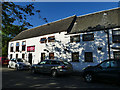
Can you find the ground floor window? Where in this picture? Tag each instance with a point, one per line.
(88, 56)
(16, 55)
(23, 56)
(42, 56)
(51, 55)
(11, 56)
(116, 54)
(75, 57)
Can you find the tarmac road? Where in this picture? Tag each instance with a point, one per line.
(25, 79)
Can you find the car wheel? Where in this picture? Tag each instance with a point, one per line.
(17, 69)
(54, 73)
(88, 77)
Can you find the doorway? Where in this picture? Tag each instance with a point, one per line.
(30, 58)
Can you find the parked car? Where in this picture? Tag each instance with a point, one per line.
(53, 67)
(18, 64)
(108, 69)
(4, 60)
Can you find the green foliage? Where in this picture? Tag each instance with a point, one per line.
(10, 14)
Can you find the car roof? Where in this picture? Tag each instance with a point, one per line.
(112, 60)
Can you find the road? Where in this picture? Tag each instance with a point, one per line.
(25, 79)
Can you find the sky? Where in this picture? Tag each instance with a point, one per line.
(54, 11)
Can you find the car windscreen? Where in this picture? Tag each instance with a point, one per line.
(19, 60)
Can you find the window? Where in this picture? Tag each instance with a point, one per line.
(88, 57)
(113, 64)
(43, 40)
(23, 46)
(88, 37)
(23, 56)
(116, 54)
(51, 39)
(16, 55)
(55, 63)
(105, 64)
(51, 55)
(43, 62)
(75, 38)
(11, 47)
(17, 47)
(116, 36)
(42, 56)
(75, 57)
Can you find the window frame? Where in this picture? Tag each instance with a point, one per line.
(83, 37)
(53, 40)
(72, 38)
(17, 47)
(11, 47)
(91, 60)
(23, 46)
(73, 60)
(115, 35)
(44, 40)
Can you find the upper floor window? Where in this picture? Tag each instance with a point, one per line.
(75, 57)
(75, 38)
(17, 46)
(23, 46)
(116, 36)
(88, 37)
(11, 47)
(43, 40)
(51, 39)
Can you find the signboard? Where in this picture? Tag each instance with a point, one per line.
(30, 48)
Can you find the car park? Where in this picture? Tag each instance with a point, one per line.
(19, 64)
(4, 60)
(106, 70)
(53, 67)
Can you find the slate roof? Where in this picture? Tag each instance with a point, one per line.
(54, 27)
(97, 21)
(90, 22)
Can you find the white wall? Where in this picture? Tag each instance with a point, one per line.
(62, 41)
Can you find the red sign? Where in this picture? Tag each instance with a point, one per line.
(30, 48)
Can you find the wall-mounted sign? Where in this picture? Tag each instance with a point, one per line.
(30, 48)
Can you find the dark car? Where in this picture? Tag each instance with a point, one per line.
(53, 67)
(108, 69)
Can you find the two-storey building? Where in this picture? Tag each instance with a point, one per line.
(82, 40)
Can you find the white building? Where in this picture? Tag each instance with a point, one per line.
(83, 40)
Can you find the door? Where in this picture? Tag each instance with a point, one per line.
(42, 56)
(30, 58)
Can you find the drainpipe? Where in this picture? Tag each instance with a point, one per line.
(108, 40)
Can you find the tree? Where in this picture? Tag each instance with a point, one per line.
(11, 13)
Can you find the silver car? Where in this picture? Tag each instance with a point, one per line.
(18, 64)
(54, 67)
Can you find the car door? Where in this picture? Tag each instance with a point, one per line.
(40, 67)
(113, 70)
(47, 66)
(102, 70)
